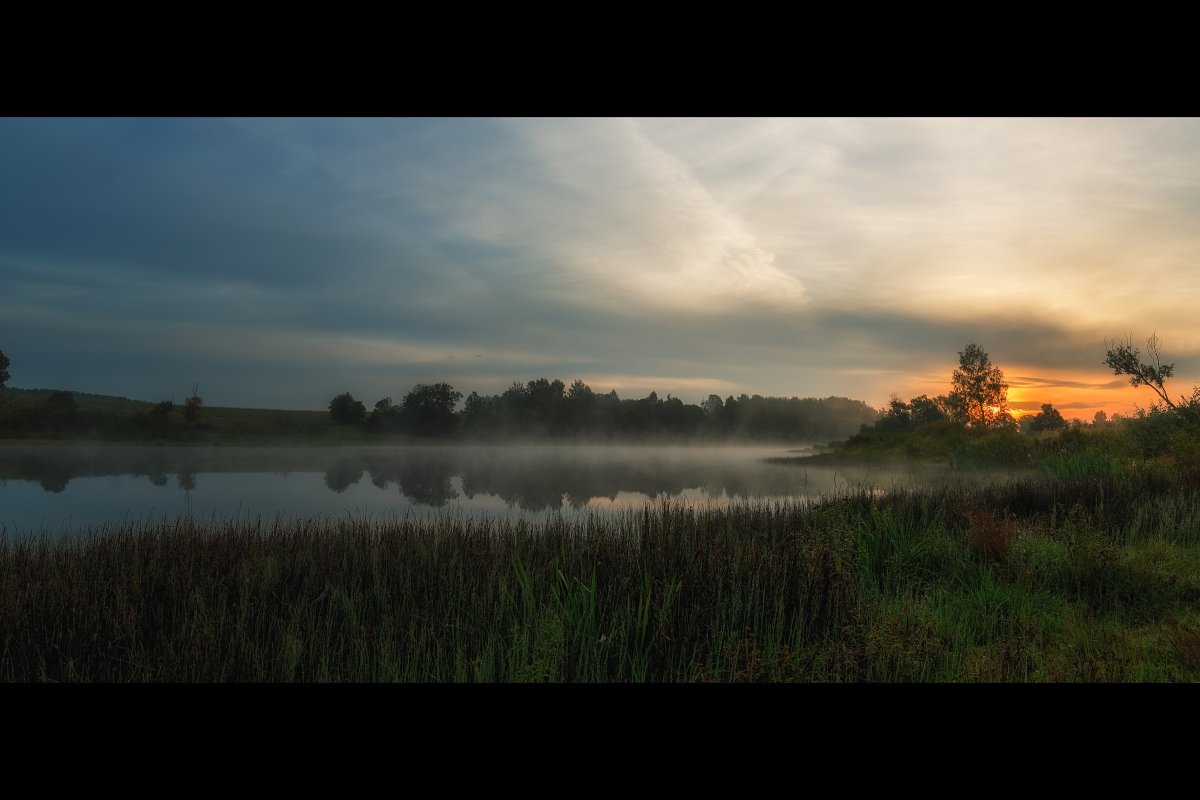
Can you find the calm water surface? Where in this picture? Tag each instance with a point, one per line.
(64, 489)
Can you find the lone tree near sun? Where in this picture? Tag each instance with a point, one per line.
(1125, 359)
(980, 395)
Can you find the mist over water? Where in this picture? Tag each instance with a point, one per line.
(64, 489)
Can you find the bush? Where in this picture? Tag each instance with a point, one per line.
(345, 410)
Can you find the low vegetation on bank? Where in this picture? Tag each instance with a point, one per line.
(971, 427)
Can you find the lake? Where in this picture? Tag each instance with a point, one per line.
(65, 488)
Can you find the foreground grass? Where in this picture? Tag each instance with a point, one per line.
(1091, 579)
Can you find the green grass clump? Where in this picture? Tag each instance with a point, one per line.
(1094, 578)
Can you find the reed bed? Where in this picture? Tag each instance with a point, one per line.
(1085, 579)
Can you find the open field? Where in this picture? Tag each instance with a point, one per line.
(103, 417)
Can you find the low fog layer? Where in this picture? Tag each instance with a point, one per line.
(528, 477)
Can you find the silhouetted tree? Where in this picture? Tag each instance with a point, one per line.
(1050, 419)
(545, 404)
(713, 407)
(980, 395)
(191, 406)
(429, 409)
(896, 417)
(345, 410)
(1003, 419)
(1125, 359)
(4, 376)
(729, 414)
(581, 406)
(511, 406)
(480, 414)
(925, 410)
(920, 410)
(580, 390)
(386, 416)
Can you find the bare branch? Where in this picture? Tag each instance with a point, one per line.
(1125, 359)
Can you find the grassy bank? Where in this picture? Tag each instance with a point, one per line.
(1035, 579)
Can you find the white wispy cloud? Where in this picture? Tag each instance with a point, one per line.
(620, 218)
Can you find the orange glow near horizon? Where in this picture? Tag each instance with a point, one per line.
(1076, 394)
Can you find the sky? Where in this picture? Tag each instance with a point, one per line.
(278, 262)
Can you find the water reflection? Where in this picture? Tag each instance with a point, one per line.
(186, 479)
(269, 480)
(425, 477)
(342, 475)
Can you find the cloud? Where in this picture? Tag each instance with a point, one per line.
(619, 217)
(783, 256)
(1024, 382)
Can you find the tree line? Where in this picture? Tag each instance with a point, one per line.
(978, 397)
(549, 408)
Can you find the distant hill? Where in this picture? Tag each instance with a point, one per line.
(23, 414)
(78, 395)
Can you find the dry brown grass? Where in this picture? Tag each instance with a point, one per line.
(990, 538)
(1186, 640)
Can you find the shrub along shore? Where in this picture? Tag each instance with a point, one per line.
(1093, 578)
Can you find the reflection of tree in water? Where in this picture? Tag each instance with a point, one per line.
(51, 474)
(343, 475)
(540, 483)
(54, 479)
(531, 486)
(156, 468)
(532, 478)
(424, 478)
(516, 484)
(186, 479)
(428, 481)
